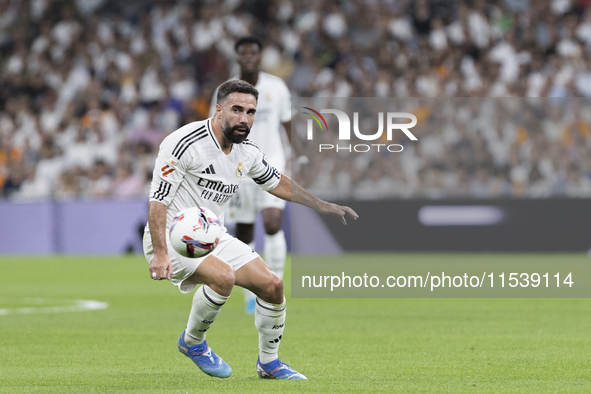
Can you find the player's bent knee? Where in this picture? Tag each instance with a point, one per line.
(278, 288)
(223, 281)
(274, 291)
(228, 278)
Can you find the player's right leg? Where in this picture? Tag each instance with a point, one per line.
(218, 279)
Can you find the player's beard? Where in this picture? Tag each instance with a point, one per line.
(231, 136)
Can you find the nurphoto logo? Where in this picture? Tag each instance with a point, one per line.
(344, 131)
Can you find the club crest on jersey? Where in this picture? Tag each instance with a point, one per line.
(239, 171)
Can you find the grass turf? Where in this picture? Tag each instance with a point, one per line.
(341, 345)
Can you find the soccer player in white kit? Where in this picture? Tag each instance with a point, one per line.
(203, 164)
(273, 112)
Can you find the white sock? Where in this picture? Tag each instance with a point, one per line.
(249, 295)
(275, 252)
(206, 306)
(269, 320)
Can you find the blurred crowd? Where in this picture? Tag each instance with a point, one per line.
(89, 88)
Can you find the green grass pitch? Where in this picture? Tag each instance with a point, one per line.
(341, 345)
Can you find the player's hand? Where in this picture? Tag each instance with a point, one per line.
(161, 267)
(338, 210)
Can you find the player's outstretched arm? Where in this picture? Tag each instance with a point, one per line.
(290, 191)
(161, 266)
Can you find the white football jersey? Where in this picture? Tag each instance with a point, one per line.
(191, 170)
(273, 109)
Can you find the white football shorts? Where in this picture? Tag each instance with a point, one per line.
(231, 250)
(249, 201)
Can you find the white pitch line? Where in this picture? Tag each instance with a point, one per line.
(79, 306)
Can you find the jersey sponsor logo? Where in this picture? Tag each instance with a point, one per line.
(239, 171)
(215, 191)
(166, 170)
(217, 186)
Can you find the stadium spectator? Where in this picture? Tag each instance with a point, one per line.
(96, 77)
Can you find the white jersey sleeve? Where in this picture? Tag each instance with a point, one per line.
(168, 173)
(262, 173)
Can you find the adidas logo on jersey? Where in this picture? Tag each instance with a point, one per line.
(209, 170)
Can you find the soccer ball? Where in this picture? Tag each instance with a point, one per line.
(195, 232)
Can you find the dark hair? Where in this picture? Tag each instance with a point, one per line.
(248, 40)
(236, 86)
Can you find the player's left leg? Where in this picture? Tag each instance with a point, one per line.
(269, 317)
(218, 279)
(270, 304)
